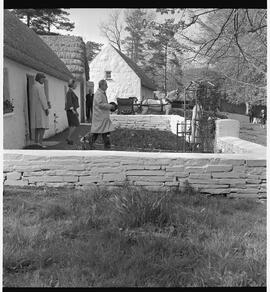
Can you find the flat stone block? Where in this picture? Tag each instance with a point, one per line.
(151, 167)
(228, 175)
(243, 196)
(200, 176)
(177, 174)
(147, 183)
(9, 156)
(114, 177)
(234, 162)
(197, 162)
(106, 170)
(256, 162)
(69, 178)
(149, 178)
(33, 173)
(198, 181)
(175, 169)
(191, 169)
(205, 186)
(14, 175)
(89, 179)
(219, 168)
(133, 166)
(216, 191)
(230, 181)
(16, 182)
(244, 191)
(145, 172)
(253, 181)
(256, 170)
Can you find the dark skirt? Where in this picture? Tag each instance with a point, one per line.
(73, 120)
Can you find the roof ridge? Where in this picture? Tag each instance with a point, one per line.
(146, 81)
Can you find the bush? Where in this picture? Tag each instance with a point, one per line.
(135, 208)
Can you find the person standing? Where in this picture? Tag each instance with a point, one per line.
(101, 123)
(89, 104)
(39, 109)
(251, 113)
(71, 107)
(262, 118)
(195, 123)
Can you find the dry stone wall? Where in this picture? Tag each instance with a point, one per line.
(160, 122)
(234, 175)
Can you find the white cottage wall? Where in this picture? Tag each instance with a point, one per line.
(14, 123)
(124, 82)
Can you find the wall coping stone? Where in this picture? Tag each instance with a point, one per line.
(260, 155)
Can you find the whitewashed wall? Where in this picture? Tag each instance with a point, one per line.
(14, 126)
(124, 82)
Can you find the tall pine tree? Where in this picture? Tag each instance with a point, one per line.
(43, 20)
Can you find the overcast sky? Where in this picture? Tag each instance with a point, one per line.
(87, 21)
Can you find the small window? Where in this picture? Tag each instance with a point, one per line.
(7, 100)
(108, 75)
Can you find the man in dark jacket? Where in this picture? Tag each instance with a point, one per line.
(89, 103)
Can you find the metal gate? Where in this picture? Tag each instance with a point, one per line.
(196, 132)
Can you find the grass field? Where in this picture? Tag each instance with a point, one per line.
(84, 238)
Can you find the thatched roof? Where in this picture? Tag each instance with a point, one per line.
(146, 81)
(71, 50)
(23, 45)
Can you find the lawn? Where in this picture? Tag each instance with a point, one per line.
(250, 132)
(124, 140)
(86, 238)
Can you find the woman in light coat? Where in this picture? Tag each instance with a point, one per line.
(101, 123)
(39, 109)
(195, 122)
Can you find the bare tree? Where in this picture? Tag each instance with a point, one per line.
(113, 28)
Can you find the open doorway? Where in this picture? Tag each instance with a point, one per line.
(28, 131)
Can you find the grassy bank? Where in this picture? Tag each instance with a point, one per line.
(84, 238)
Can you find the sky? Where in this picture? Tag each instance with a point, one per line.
(87, 21)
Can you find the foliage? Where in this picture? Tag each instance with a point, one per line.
(112, 29)
(233, 42)
(165, 51)
(8, 106)
(215, 241)
(92, 49)
(136, 208)
(134, 42)
(42, 20)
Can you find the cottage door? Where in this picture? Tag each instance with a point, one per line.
(29, 135)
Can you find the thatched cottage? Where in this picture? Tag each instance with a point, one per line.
(71, 50)
(25, 54)
(125, 79)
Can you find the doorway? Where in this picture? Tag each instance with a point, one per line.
(29, 135)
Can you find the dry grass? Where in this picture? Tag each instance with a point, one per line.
(76, 238)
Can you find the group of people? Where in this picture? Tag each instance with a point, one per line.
(253, 118)
(97, 112)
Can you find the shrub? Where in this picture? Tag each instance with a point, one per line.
(135, 208)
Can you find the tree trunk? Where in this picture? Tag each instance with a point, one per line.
(28, 20)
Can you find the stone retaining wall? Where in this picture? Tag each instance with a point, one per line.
(228, 141)
(160, 122)
(234, 175)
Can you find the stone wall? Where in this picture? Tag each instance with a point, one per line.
(234, 175)
(228, 141)
(160, 122)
